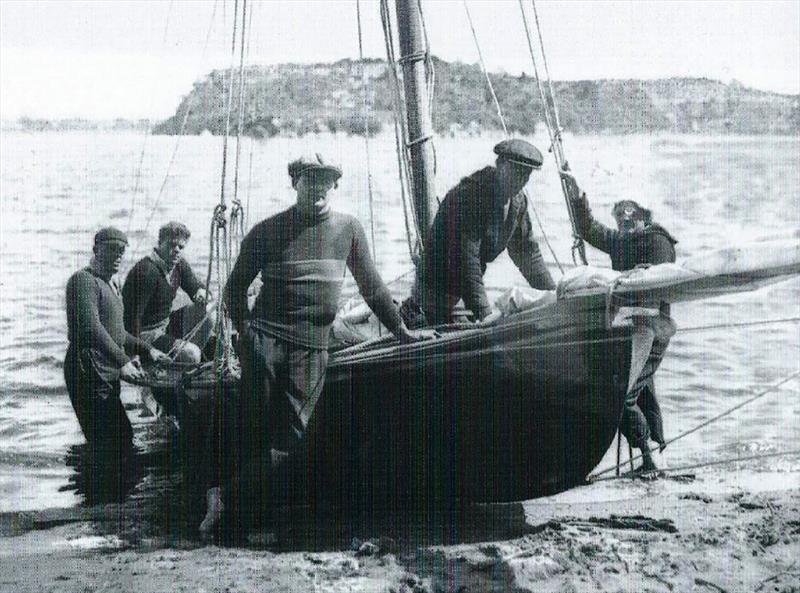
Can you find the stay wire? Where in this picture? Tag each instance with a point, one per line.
(366, 131)
(229, 105)
(240, 121)
(559, 145)
(505, 131)
(555, 147)
(739, 324)
(403, 169)
(148, 132)
(184, 121)
(237, 215)
(246, 221)
(485, 71)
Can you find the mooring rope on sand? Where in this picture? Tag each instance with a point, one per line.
(699, 465)
(770, 389)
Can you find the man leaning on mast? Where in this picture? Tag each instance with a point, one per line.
(485, 214)
(637, 241)
(150, 289)
(96, 356)
(301, 253)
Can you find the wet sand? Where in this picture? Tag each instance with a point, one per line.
(730, 529)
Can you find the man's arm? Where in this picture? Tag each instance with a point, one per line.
(598, 235)
(244, 271)
(82, 296)
(189, 282)
(524, 252)
(472, 289)
(369, 282)
(136, 293)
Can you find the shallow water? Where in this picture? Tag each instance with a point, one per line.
(58, 188)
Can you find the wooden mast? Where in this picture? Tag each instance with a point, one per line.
(418, 117)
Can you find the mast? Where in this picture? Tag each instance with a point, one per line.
(413, 52)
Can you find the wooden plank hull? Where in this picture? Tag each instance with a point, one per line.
(521, 410)
(509, 412)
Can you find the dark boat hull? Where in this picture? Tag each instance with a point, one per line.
(514, 411)
(524, 409)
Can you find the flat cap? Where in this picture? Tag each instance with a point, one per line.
(108, 234)
(313, 163)
(519, 152)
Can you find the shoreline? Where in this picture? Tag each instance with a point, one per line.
(717, 531)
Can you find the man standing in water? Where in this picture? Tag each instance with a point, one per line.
(301, 253)
(96, 356)
(637, 241)
(477, 220)
(150, 289)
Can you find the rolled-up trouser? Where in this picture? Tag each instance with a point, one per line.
(97, 405)
(641, 417)
(281, 384)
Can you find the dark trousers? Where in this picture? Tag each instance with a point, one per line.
(97, 405)
(281, 384)
(641, 417)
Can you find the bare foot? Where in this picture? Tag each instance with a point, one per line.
(214, 508)
(648, 465)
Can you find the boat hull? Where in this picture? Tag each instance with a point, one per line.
(524, 409)
(521, 409)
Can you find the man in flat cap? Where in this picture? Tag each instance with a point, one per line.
(150, 289)
(637, 241)
(480, 217)
(302, 254)
(97, 355)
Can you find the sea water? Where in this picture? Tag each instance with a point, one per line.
(58, 188)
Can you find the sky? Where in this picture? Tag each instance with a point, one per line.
(136, 59)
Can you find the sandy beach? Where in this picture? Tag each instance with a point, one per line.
(730, 529)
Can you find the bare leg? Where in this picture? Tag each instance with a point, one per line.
(214, 510)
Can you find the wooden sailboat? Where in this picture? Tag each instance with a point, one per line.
(523, 408)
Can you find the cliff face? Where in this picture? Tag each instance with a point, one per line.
(297, 99)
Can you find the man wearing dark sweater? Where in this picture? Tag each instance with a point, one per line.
(302, 254)
(151, 287)
(485, 214)
(97, 355)
(636, 241)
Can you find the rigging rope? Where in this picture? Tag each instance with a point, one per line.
(219, 236)
(148, 131)
(702, 425)
(505, 132)
(237, 214)
(554, 133)
(189, 105)
(246, 223)
(366, 131)
(430, 71)
(485, 71)
(681, 468)
(559, 146)
(400, 133)
(741, 324)
(229, 106)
